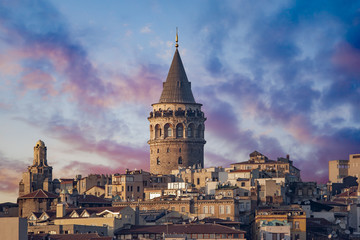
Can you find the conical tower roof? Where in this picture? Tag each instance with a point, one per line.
(177, 88)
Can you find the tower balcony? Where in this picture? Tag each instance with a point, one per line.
(176, 113)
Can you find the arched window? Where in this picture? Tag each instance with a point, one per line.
(190, 130)
(157, 131)
(158, 161)
(179, 131)
(168, 130)
(180, 160)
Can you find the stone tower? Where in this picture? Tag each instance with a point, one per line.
(176, 124)
(39, 175)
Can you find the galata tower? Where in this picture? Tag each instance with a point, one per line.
(176, 124)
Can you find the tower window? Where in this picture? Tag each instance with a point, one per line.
(179, 131)
(168, 150)
(180, 160)
(168, 130)
(157, 131)
(179, 150)
(190, 130)
(158, 161)
(158, 150)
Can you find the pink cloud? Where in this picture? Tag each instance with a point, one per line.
(39, 80)
(118, 154)
(347, 58)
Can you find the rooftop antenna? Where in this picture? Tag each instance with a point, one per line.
(177, 38)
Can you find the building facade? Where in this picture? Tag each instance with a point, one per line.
(338, 169)
(39, 174)
(176, 124)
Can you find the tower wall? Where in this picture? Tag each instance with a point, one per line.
(176, 137)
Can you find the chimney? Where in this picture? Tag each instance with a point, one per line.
(288, 157)
(60, 210)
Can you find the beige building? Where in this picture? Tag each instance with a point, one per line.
(354, 165)
(102, 220)
(338, 169)
(224, 208)
(199, 177)
(279, 168)
(37, 201)
(291, 215)
(85, 183)
(39, 174)
(98, 191)
(176, 124)
(13, 228)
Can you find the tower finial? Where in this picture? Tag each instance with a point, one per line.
(177, 39)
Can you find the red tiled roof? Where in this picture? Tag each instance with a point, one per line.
(91, 199)
(351, 192)
(39, 194)
(241, 170)
(181, 229)
(257, 163)
(85, 236)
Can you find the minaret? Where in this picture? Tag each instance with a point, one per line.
(176, 124)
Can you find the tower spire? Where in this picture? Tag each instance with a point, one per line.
(177, 39)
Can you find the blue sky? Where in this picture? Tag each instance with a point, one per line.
(279, 77)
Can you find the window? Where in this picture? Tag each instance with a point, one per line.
(241, 206)
(190, 130)
(182, 209)
(138, 188)
(221, 209)
(297, 225)
(158, 161)
(243, 184)
(168, 150)
(157, 131)
(179, 131)
(179, 150)
(198, 181)
(212, 209)
(180, 160)
(300, 192)
(205, 210)
(228, 210)
(168, 130)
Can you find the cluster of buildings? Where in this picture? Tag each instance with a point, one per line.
(179, 198)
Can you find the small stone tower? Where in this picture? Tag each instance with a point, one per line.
(176, 124)
(39, 175)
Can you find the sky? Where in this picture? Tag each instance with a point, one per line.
(279, 77)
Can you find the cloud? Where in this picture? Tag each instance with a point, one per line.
(9, 173)
(40, 53)
(146, 29)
